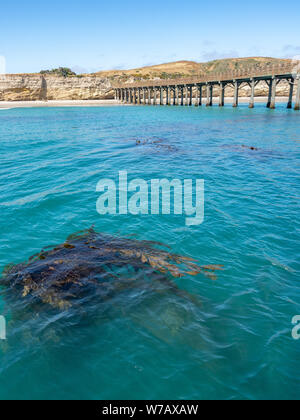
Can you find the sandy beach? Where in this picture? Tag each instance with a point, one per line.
(69, 103)
(109, 102)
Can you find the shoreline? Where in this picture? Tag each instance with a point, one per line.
(112, 102)
(59, 103)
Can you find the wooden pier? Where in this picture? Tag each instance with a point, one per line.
(189, 91)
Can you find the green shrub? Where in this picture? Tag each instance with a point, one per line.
(61, 71)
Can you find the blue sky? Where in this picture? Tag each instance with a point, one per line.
(95, 35)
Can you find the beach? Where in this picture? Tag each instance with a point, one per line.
(109, 102)
(45, 104)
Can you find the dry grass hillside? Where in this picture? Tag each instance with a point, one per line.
(187, 68)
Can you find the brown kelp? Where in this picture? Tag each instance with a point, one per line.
(159, 145)
(90, 263)
(64, 292)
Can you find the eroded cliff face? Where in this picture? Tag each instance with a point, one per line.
(33, 87)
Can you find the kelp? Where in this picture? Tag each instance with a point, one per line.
(158, 144)
(98, 265)
(250, 148)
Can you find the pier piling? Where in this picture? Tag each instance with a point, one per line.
(297, 104)
(236, 94)
(134, 96)
(209, 93)
(154, 96)
(222, 94)
(252, 85)
(181, 96)
(273, 93)
(200, 95)
(186, 96)
(168, 96)
(174, 95)
(269, 83)
(191, 96)
(197, 96)
(290, 101)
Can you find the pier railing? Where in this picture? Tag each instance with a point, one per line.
(244, 73)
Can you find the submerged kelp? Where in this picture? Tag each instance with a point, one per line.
(157, 144)
(90, 264)
(257, 152)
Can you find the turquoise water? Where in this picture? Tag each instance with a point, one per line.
(238, 343)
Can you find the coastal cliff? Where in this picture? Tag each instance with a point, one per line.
(34, 87)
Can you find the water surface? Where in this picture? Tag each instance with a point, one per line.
(238, 344)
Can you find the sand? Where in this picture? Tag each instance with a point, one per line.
(43, 104)
(108, 102)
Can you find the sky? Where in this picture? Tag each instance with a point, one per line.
(94, 35)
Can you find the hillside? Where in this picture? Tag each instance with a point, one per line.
(187, 68)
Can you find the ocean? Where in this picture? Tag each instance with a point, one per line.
(234, 340)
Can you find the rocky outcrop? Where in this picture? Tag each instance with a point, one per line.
(33, 87)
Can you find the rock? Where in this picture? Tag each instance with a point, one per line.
(34, 87)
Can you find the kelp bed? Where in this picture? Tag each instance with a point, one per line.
(94, 264)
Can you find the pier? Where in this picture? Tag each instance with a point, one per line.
(189, 91)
